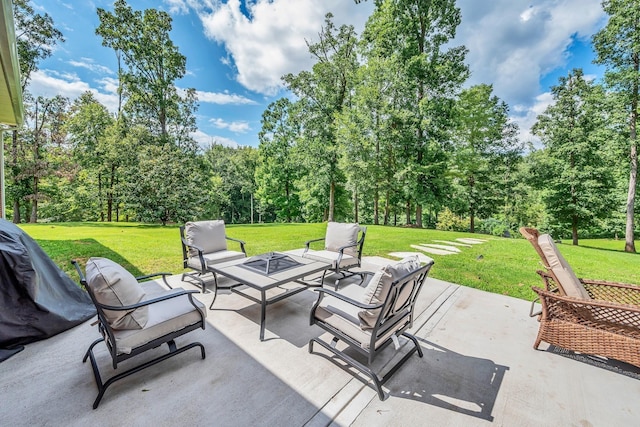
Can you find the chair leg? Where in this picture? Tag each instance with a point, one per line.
(215, 289)
(377, 382)
(102, 386)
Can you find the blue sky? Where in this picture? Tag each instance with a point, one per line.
(237, 51)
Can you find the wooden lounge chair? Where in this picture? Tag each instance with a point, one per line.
(369, 319)
(343, 244)
(134, 317)
(588, 316)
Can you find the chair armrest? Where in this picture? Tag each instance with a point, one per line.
(242, 243)
(620, 293)
(308, 242)
(594, 313)
(148, 302)
(203, 264)
(346, 299)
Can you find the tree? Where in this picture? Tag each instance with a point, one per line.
(88, 125)
(324, 92)
(617, 46)
(483, 139)
(279, 169)
(36, 37)
(152, 65)
(46, 117)
(419, 33)
(576, 178)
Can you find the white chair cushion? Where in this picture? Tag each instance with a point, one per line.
(341, 234)
(380, 284)
(164, 317)
(344, 317)
(207, 235)
(568, 281)
(331, 258)
(113, 285)
(215, 258)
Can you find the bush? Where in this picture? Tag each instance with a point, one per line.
(448, 221)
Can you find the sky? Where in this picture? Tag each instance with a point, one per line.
(237, 52)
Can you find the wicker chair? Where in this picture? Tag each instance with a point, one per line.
(588, 316)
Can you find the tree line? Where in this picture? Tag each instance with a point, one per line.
(381, 130)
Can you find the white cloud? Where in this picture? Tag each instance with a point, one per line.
(235, 126)
(89, 64)
(513, 44)
(223, 98)
(49, 84)
(204, 140)
(269, 41)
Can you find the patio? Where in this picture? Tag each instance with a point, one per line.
(479, 368)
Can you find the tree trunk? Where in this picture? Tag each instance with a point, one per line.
(355, 204)
(34, 203)
(386, 209)
(16, 212)
(472, 221)
(419, 215)
(376, 205)
(630, 245)
(408, 212)
(100, 197)
(332, 200)
(631, 199)
(574, 230)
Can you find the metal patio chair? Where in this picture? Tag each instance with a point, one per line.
(343, 244)
(369, 319)
(134, 317)
(205, 243)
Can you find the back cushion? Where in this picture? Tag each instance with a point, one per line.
(379, 286)
(207, 235)
(568, 281)
(342, 234)
(113, 285)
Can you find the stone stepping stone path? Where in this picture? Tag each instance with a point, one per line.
(443, 247)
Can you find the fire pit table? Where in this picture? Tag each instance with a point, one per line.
(268, 271)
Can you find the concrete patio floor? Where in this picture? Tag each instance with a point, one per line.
(478, 369)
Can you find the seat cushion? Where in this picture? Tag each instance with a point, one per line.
(342, 234)
(214, 258)
(332, 258)
(207, 235)
(344, 317)
(164, 317)
(380, 284)
(568, 282)
(112, 285)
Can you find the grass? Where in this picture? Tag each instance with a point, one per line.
(505, 266)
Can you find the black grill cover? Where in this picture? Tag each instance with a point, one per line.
(37, 299)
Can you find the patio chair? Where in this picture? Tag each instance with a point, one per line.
(134, 317)
(595, 317)
(369, 319)
(205, 243)
(343, 244)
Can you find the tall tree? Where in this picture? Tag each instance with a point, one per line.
(419, 33)
(617, 46)
(36, 36)
(324, 92)
(152, 64)
(279, 169)
(46, 120)
(483, 139)
(575, 175)
(88, 124)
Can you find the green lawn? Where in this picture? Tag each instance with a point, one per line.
(500, 265)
